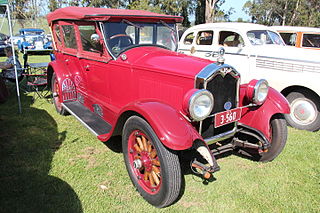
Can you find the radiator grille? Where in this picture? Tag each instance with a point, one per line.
(224, 88)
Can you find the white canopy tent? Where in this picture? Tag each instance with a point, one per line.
(5, 9)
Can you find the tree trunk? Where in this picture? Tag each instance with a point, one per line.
(284, 17)
(209, 11)
(295, 12)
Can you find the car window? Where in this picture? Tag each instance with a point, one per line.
(69, 36)
(146, 35)
(163, 38)
(262, 37)
(57, 32)
(86, 31)
(311, 40)
(126, 35)
(289, 38)
(204, 37)
(188, 39)
(230, 39)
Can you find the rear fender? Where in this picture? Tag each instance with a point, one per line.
(260, 117)
(66, 86)
(173, 130)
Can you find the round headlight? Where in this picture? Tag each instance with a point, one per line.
(260, 92)
(200, 104)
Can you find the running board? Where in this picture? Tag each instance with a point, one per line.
(89, 119)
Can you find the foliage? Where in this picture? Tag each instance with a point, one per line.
(284, 12)
(208, 11)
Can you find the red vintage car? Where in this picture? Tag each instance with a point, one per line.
(118, 72)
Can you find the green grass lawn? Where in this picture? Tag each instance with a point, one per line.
(51, 163)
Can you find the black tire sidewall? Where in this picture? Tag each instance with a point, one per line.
(314, 126)
(279, 138)
(61, 110)
(161, 198)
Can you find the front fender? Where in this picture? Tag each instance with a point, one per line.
(260, 117)
(173, 130)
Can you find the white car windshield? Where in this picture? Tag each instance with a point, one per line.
(124, 35)
(262, 37)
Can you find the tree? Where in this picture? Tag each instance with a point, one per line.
(284, 12)
(208, 11)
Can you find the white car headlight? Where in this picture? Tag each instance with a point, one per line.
(260, 92)
(200, 104)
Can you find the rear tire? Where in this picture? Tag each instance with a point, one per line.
(305, 110)
(154, 169)
(56, 96)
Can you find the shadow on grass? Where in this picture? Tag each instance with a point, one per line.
(28, 142)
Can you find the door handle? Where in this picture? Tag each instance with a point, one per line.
(87, 68)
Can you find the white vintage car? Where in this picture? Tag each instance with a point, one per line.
(257, 51)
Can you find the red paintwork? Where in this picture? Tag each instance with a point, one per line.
(259, 117)
(151, 81)
(103, 14)
(173, 130)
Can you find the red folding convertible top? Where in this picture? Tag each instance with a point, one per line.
(103, 14)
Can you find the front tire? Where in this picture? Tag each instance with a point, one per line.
(154, 169)
(305, 110)
(56, 96)
(279, 132)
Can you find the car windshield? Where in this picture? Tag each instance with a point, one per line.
(125, 34)
(261, 37)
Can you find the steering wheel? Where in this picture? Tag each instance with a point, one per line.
(119, 42)
(121, 35)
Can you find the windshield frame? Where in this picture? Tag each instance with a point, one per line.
(137, 26)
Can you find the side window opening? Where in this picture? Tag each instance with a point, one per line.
(57, 33)
(204, 37)
(230, 39)
(86, 31)
(311, 40)
(289, 38)
(69, 36)
(188, 39)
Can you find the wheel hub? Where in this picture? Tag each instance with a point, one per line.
(146, 161)
(303, 111)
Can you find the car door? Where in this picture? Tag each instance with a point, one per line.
(67, 55)
(94, 60)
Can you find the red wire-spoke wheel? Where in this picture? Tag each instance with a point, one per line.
(154, 169)
(56, 95)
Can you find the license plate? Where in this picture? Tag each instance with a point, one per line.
(226, 117)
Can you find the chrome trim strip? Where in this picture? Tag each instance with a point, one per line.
(287, 59)
(210, 71)
(84, 124)
(221, 136)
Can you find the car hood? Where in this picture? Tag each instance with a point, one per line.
(158, 59)
(288, 52)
